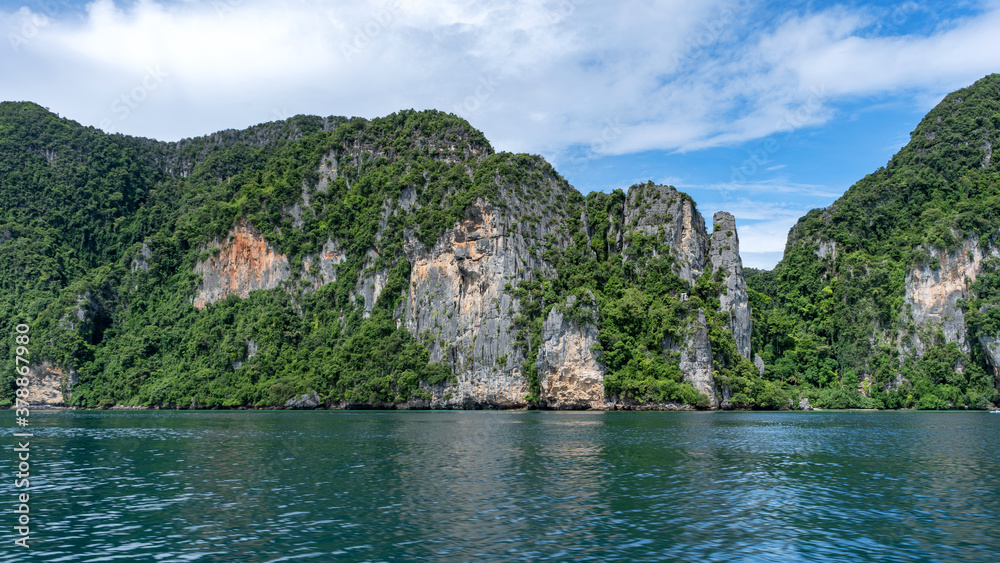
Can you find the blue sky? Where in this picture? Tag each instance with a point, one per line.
(764, 109)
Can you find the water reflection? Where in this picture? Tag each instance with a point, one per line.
(514, 486)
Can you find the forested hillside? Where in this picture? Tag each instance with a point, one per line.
(400, 262)
(272, 266)
(887, 297)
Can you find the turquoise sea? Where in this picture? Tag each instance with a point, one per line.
(248, 486)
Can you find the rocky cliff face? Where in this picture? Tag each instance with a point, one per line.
(696, 361)
(241, 263)
(932, 293)
(244, 261)
(724, 256)
(649, 209)
(322, 269)
(570, 371)
(50, 385)
(458, 306)
(498, 250)
(652, 210)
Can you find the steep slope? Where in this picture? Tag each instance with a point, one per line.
(876, 301)
(396, 262)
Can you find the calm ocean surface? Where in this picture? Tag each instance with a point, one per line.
(508, 486)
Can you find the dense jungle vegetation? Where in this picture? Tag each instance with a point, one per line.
(836, 328)
(100, 234)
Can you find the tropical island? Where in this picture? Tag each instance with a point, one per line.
(401, 262)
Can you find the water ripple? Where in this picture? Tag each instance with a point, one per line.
(517, 486)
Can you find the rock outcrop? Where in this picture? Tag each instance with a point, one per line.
(649, 209)
(724, 257)
(308, 400)
(570, 373)
(322, 269)
(141, 260)
(933, 290)
(50, 385)
(696, 361)
(459, 302)
(458, 306)
(244, 261)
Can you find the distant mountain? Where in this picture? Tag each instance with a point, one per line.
(888, 297)
(334, 262)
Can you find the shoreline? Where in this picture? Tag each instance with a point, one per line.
(385, 408)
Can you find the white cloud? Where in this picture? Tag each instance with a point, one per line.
(760, 260)
(762, 226)
(773, 186)
(548, 77)
(570, 79)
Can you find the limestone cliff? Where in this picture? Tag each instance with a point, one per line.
(724, 257)
(322, 269)
(883, 285)
(932, 293)
(572, 376)
(50, 385)
(459, 302)
(656, 210)
(650, 209)
(458, 305)
(696, 360)
(242, 262)
(404, 263)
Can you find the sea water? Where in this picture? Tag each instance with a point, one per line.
(246, 486)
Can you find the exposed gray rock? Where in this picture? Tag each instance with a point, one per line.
(826, 249)
(327, 170)
(370, 284)
(458, 307)
(141, 260)
(804, 404)
(457, 303)
(243, 262)
(407, 198)
(309, 400)
(696, 360)
(648, 209)
(325, 270)
(570, 373)
(759, 363)
(932, 296)
(724, 255)
(662, 211)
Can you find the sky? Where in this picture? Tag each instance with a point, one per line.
(763, 109)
